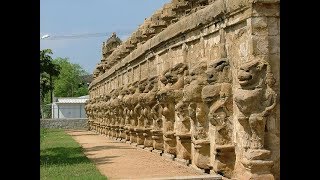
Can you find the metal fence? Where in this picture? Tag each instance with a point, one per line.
(60, 112)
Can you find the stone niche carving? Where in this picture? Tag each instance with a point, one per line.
(255, 99)
(168, 96)
(218, 97)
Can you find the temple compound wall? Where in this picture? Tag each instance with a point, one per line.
(74, 123)
(198, 82)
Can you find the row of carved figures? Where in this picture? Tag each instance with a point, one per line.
(188, 114)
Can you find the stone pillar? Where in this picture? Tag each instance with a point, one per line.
(157, 129)
(106, 114)
(169, 96)
(183, 134)
(218, 98)
(200, 148)
(131, 101)
(148, 142)
(255, 99)
(133, 113)
(127, 124)
(168, 130)
(109, 119)
(140, 112)
(126, 113)
(149, 102)
(255, 92)
(122, 134)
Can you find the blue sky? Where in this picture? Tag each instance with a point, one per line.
(79, 17)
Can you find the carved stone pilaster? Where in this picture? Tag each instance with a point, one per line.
(168, 96)
(194, 82)
(254, 99)
(218, 98)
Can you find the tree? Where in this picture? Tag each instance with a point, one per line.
(69, 83)
(48, 70)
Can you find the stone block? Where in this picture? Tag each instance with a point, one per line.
(182, 161)
(158, 152)
(168, 156)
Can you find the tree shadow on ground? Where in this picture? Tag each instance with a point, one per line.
(86, 134)
(99, 148)
(103, 160)
(114, 141)
(68, 155)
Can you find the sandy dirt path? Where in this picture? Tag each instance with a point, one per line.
(118, 160)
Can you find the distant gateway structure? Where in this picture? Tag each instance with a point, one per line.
(198, 82)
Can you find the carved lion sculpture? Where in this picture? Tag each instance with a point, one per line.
(195, 79)
(172, 77)
(254, 99)
(218, 97)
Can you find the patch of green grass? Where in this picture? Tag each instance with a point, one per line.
(42, 134)
(62, 158)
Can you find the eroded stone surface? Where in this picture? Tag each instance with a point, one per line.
(199, 82)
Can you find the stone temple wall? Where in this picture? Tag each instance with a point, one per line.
(197, 82)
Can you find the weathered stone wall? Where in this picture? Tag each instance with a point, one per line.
(64, 123)
(198, 81)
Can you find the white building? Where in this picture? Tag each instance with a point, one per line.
(69, 107)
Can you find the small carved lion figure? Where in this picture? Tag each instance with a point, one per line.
(156, 114)
(172, 78)
(183, 121)
(255, 99)
(139, 109)
(168, 96)
(218, 97)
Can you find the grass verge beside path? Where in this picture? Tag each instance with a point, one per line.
(61, 157)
